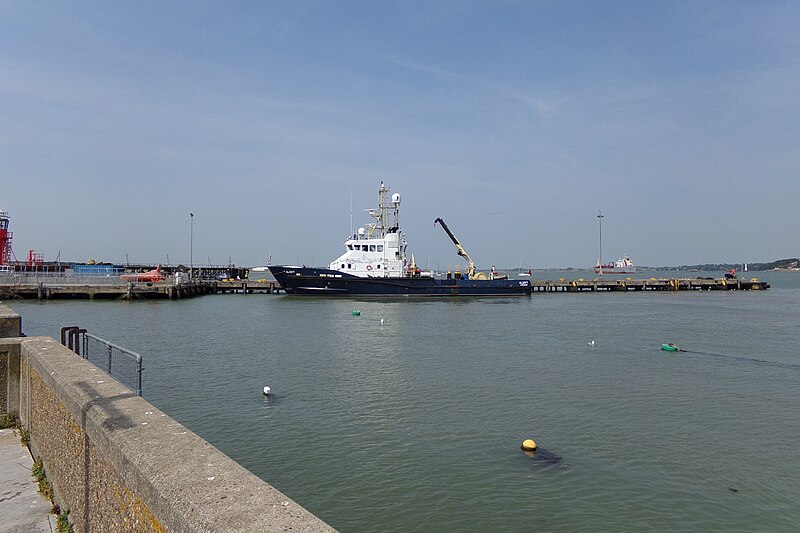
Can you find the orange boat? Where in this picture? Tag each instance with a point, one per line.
(149, 276)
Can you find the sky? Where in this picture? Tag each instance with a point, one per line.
(515, 122)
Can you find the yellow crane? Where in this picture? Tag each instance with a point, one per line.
(462, 252)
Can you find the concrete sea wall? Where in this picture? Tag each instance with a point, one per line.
(119, 464)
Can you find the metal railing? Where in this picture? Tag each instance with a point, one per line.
(120, 363)
(59, 278)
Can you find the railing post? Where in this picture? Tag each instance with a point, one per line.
(64, 331)
(139, 375)
(109, 361)
(75, 341)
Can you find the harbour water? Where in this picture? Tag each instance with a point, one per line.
(410, 416)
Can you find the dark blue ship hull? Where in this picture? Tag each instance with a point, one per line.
(324, 282)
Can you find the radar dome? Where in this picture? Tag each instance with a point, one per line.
(362, 232)
(396, 198)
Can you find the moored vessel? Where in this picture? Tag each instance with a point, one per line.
(375, 263)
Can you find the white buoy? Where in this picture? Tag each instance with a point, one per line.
(267, 391)
(591, 343)
(381, 321)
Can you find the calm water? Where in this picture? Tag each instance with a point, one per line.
(415, 425)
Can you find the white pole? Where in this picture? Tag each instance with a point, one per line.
(600, 258)
(191, 245)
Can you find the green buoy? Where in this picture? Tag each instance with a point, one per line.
(671, 348)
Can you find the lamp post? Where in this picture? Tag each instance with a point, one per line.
(600, 256)
(191, 246)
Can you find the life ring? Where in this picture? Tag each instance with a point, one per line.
(369, 267)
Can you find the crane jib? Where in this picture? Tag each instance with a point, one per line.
(461, 251)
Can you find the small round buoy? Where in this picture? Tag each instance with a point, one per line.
(529, 445)
(267, 391)
(356, 312)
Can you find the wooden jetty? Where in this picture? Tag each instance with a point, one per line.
(652, 284)
(66, 289)
(110, 291)
(247, 287)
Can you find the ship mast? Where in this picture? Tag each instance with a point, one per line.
(377, 230)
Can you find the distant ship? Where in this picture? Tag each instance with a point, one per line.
(375, 264)
(620, 266)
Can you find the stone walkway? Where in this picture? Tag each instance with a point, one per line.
(22, 508)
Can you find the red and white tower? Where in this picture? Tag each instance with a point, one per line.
(5, 239)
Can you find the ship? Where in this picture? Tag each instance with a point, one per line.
(620, 266)
(375, 263)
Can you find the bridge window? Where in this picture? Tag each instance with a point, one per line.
(371, 247)
(380, 247)
(349, 246)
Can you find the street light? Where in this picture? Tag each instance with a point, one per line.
(191, 245)
(600, 257)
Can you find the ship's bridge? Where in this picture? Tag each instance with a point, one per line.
(367, 257)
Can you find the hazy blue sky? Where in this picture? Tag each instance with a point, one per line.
(513, 121)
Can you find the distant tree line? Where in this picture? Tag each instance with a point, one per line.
(793, 262)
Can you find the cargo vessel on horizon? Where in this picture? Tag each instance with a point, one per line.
(620, 266)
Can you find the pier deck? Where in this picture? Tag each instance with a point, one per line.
(245, 286)
(652, 284)
(168, 290)
(67, 289)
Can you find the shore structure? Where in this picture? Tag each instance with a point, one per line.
(652, 284)
(116, 462)
(165, 290)
(58, 288)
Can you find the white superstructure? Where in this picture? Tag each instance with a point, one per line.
(379, 250)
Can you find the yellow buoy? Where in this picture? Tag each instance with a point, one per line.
(529, 445)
